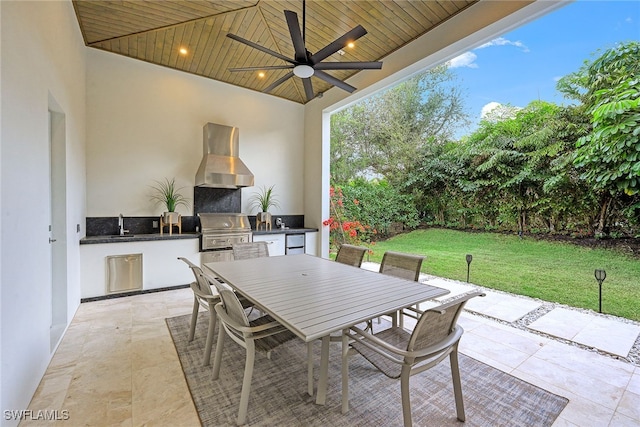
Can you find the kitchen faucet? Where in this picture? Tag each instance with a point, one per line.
(121, 225)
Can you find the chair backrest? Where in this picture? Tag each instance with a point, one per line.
(235, 314)
(202, 284)
(437, 323)
(250, 250)
(351, 255)
(405, 266)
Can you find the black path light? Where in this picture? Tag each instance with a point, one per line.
(600, 276)
(469, 259)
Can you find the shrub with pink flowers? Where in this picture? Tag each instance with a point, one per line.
(342, 228)
(362, 211)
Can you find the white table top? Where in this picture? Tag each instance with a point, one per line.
(314, 297)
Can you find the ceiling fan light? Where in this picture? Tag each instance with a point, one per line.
(303, 71)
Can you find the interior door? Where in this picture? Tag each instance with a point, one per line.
(57, 223)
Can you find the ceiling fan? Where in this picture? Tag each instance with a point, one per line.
(305, 64)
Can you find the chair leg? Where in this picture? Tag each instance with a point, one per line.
(246, 383)
(194, 318)
(210, 332)
(406, 398)
(218, 358)
(457, 385)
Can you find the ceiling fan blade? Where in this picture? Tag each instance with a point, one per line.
(296, 36)
(278, 82)
(260, 48)
(308, 88)
(338, 44)
(332, 80)
(271, 67)
(348, 66)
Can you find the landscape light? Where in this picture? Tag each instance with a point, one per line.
(600, 276)
(469, 259)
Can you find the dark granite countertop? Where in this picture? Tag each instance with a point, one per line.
(175, 236)
(137, 238)
(285, 231)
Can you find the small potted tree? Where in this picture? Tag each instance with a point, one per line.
(166, 193)
(263, 200)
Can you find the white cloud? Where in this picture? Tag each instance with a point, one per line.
(468, 59)
(495, 112)
(488, 108)
(501, 41)
(465, 60)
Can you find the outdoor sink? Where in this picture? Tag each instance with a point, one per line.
(117, 236)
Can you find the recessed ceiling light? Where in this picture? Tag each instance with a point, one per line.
(183, 51)
(261, 74)
(351, 45)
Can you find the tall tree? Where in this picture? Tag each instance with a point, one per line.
(380, 136)
(609, 156)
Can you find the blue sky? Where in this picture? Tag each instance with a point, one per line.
(525, 64)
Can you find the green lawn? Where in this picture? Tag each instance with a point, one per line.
(557, 272)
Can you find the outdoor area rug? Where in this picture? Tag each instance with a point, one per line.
(279, 389)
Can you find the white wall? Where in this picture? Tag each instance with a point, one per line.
(46, 59)
(144, 123)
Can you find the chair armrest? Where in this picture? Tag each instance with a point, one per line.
(201, 295)
(259, 331)
(377, 341)
(439, 347)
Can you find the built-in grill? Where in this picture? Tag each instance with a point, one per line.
(219, 232)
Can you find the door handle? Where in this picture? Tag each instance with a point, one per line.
(51, 240)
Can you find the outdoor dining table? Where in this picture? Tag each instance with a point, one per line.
(315, 297)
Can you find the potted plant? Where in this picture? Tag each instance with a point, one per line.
(263, 200)
(166, 193)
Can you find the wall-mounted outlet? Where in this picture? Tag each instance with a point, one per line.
(155, 224)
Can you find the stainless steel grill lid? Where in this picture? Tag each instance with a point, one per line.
(221, 167)
(224, 223)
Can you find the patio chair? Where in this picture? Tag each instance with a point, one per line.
(405, 266)
(263, 333)
(250, 250)
(400, 354)
(204, 297)
(351, 255)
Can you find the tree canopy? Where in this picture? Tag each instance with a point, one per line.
(379, 136)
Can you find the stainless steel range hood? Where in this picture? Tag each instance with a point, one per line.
(221, 167)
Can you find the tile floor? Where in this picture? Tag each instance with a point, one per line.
(116, 364)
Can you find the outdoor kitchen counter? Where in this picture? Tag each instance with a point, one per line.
(137, 238)
(285, 231)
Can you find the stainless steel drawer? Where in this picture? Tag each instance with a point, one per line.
(124, 273)
(295, 244)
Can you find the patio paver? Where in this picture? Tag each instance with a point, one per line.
(605, 334)
(502, 306)
(455, 288)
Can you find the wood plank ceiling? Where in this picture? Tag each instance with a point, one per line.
(155, 31)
